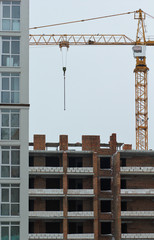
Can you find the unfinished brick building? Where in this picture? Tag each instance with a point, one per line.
(97, 192)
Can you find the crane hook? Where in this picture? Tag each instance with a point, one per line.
(64, 71)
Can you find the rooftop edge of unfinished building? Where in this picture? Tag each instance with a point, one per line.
(89, 143)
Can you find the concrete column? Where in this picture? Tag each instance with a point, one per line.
(95, 200)
(116, 196)
(65, 186)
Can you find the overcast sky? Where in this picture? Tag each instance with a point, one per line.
(100, 83)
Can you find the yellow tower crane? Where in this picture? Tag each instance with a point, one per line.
(139, 49)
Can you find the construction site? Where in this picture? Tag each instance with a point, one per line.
(96, 188)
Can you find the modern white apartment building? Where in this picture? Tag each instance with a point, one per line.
(14, 108)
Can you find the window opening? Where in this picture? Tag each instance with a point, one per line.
(105, 205)
(105, 184)
(52, 162)
(123, 183)
(123, 162)
(124, 228)
(123, 206)
(105, 163)
(75, 162)
(105, 227)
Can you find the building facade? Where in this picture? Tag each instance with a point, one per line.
(14, 107)
(98, 192)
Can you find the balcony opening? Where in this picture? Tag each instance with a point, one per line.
(123, 162)
(105, 184)
(31, 161)
(75, 228)
(75, 183)
(123, 206)
(75, 162)
(52, 162)
(105, 205)
(123, 183)
(105, 163)
(52, 205)
(53, 183)
(31, 205)
(105, 227)
(31, 227)
(75, 205)
(124, 228)
(52, 227)
(31, 183)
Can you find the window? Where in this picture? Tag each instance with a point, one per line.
(9, 200)
(11, 15)
(10, 51)
(9, 124)
(10, 87)
(10, 162)
(9, 231)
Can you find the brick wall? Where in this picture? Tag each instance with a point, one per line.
(140, 226)
(140, 161)
(63, 142)
(140, 204)
(139, 182)
(39, 142)
(90, 143)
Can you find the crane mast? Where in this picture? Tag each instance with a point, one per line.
(141, 85)
(141, 69)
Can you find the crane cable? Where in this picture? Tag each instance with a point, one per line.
(83, 20)
(149, 15)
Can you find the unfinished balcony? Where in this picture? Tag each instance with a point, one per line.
(45, 170)
(80, 209)
(49, 229)
(43, 236)
(45, 187)
(45, 214)
(137, 170)
(80, 187)
(80, 171)
(137, 192)
(137, 214)
(139, 236)
(81, 236)
(80, 165)
(80, 230)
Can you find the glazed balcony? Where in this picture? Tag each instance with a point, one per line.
(45, 170)
(80, 170)
(43, 236)
(45, 214)
(137, 170)
(137, 214)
